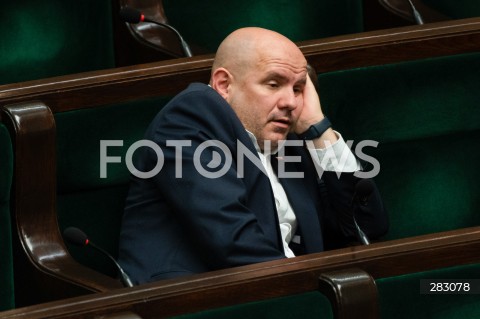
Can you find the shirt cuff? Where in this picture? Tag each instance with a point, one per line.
(337, 157)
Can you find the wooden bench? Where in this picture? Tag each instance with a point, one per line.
(266, 280)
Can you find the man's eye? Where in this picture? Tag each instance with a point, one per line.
(297, 90)
(273, 84)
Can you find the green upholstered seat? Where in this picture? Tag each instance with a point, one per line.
(84, 199)
(7, 299)
(426, 118)
(206, 23)
(49, 38)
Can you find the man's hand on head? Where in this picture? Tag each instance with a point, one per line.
(311, 111)
(311, 114)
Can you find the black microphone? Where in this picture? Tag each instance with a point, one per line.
(77, 237)
(131, 15)
(363, 190)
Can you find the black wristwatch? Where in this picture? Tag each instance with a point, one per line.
(316, 130)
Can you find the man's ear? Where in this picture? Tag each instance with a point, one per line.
(220, 82)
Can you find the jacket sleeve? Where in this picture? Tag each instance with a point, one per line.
(341, 209)
(337, 207)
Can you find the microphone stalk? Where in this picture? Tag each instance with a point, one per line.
(360, 234)
(77, 237)
(416, 15)
(363, 190)
(131, 15)
(124, 278)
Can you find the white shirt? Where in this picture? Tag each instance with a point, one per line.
(329, 159)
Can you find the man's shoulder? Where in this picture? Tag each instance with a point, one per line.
(196, 87)
(199, 90)
(200, 99)
(199, 107)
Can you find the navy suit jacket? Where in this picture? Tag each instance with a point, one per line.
(180, 222)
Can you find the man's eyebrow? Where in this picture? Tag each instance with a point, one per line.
(302, 81)
(274, 75)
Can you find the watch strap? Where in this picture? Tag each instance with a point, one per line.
(316, 130)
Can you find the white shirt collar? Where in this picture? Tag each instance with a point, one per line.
(254, 140)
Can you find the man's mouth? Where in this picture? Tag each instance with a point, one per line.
(283, 122)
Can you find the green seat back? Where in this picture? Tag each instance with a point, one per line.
(50, 38)
(7, 298)
(85, 200)
(426, 118)
(206, 23)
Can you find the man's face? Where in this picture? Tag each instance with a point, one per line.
(268, 96)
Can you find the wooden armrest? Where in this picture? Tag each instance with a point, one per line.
(351, 292)
(33, 128)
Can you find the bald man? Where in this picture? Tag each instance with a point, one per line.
(244, 177)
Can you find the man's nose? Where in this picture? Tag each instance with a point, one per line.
(288, 99)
